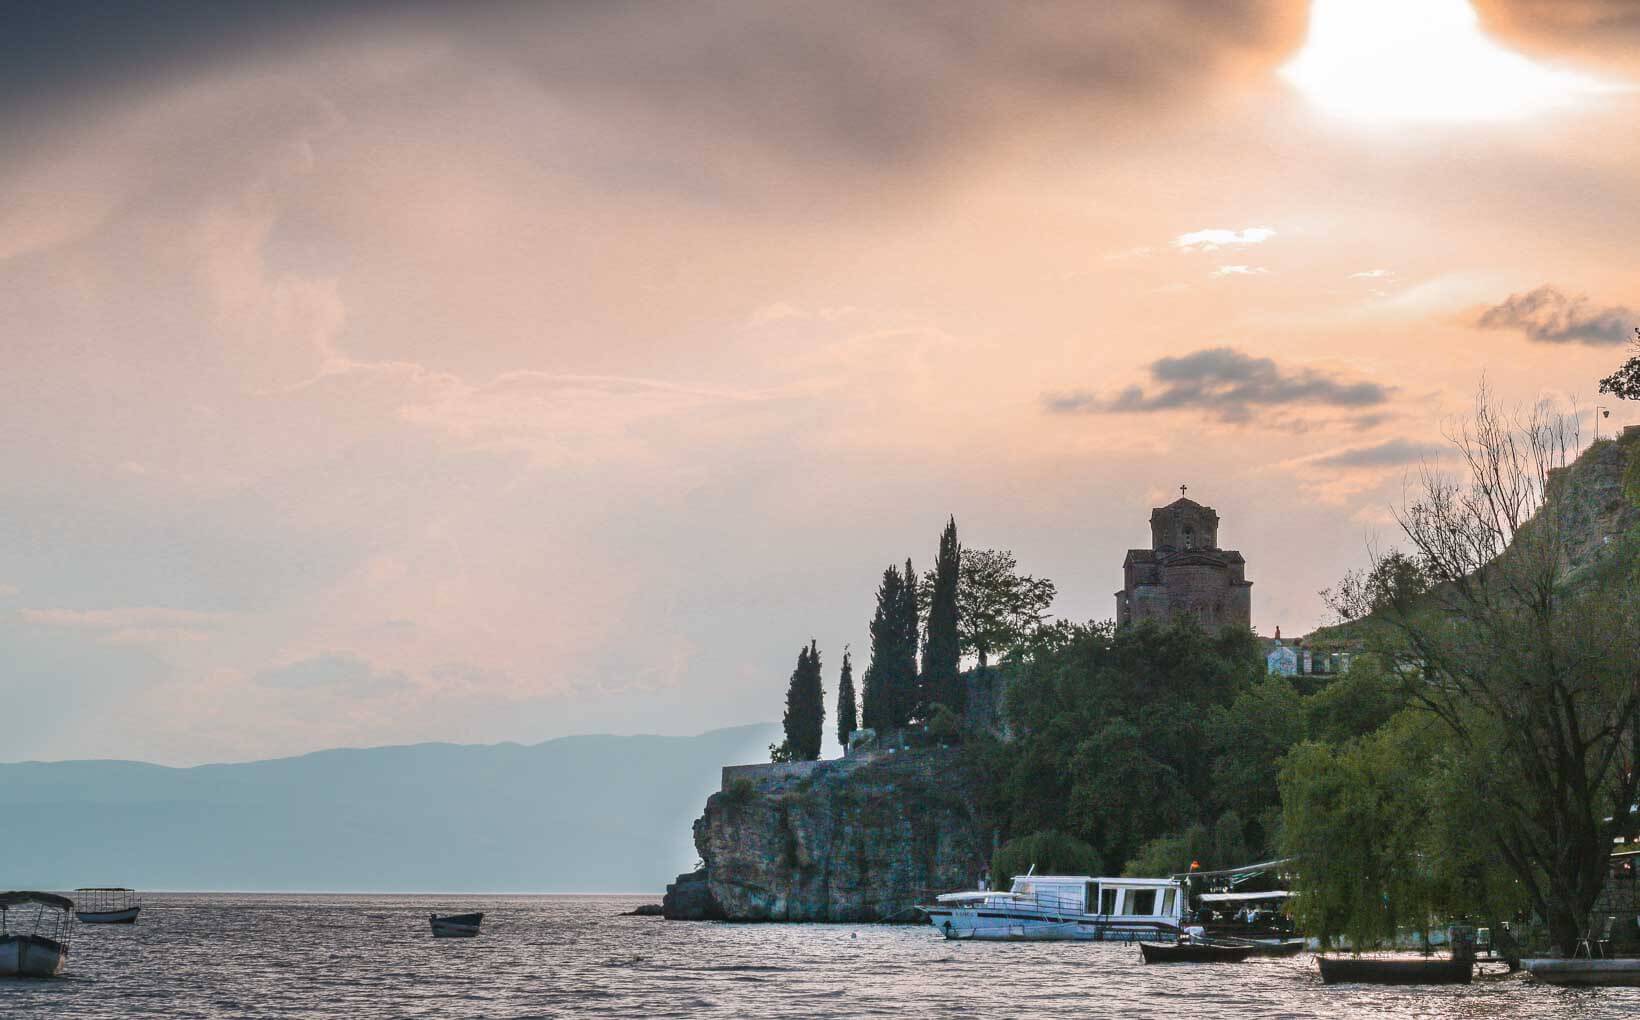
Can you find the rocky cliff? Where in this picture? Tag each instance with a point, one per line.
(843, 841)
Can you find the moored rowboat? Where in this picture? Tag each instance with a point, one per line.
(1194, 952)
(1584, 972)
(456, 925)
(1347, 970)
(107, 905)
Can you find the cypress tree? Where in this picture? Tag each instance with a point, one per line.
(878, 707)
(847, 719)
(905, 679)
(942, 682)
(805, 718)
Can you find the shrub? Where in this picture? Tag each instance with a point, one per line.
(739, 791)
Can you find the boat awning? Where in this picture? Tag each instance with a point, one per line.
(1243, 897)
(17, 899)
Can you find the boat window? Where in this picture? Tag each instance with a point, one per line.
(1168, 899)
(1141, 901)
(1090, 897)
(1023, 888)
(1107, 901)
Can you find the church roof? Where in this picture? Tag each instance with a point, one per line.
(1183, 503)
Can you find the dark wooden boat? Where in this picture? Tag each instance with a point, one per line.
(457, 926)
(1367, 971)
(1194, 952)
(1286, 947)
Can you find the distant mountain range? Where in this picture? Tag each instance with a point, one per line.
(576, 814)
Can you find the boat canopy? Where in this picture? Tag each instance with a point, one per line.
(1246, 870)
(17, 899)
(1243, 897)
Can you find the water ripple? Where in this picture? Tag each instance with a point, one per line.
(320, 957)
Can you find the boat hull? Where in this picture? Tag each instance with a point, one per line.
(1345, 970)
(456, 926)
(1026, 925)
(1192, 952)
(1585, 972)
(31, 956)
(126, 916)
(1287, 947)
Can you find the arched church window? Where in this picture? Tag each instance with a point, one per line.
(1189, 538)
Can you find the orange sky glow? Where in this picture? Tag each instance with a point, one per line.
(399, 376)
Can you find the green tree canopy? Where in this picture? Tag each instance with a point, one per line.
(1049, 853)
(805, 716)
(1625, 382)
(847, 714)
(941, 680)
(997, 606)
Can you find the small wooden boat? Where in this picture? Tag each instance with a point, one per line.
(1194, 952)
(1337, 970)
(456, 926)
(1584, 972)
(98, 905)
(42, 950)
(1284, 947)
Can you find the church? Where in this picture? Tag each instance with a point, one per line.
(1184, 572)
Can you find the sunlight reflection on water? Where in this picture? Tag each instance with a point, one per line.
(209, 955)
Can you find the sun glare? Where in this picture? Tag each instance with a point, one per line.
(1421, 60)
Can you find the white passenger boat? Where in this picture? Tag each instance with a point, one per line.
(1064, 908)
(33, 934)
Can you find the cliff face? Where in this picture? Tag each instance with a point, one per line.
(843, 842)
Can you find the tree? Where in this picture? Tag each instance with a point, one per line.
(941, 680)
(907, 697)
(1533, 671)
(997, 605)
(1625, 382)
(805, 716)
(891, 673)
(847, 718)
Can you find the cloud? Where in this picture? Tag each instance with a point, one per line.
(1240, 271)
(1547, 315)
(1389, 453)
(1214, 238)
(1227, 384)
(725, 91)
(1371, 274)
(132, 625)
(336, 671)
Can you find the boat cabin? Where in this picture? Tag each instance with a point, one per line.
(1111, 897)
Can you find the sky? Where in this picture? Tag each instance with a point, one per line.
(376, 373)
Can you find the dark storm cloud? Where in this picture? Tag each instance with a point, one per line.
(1547, 315)
(1227, 384)
(60, 51)
(1389, 453)
(867, 83)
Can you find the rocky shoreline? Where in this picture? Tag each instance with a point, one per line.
(844, 841)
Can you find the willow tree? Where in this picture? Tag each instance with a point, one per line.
(1520, 633)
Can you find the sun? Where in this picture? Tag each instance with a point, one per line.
(1394, 60)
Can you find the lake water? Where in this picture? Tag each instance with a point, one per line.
(219, 955)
